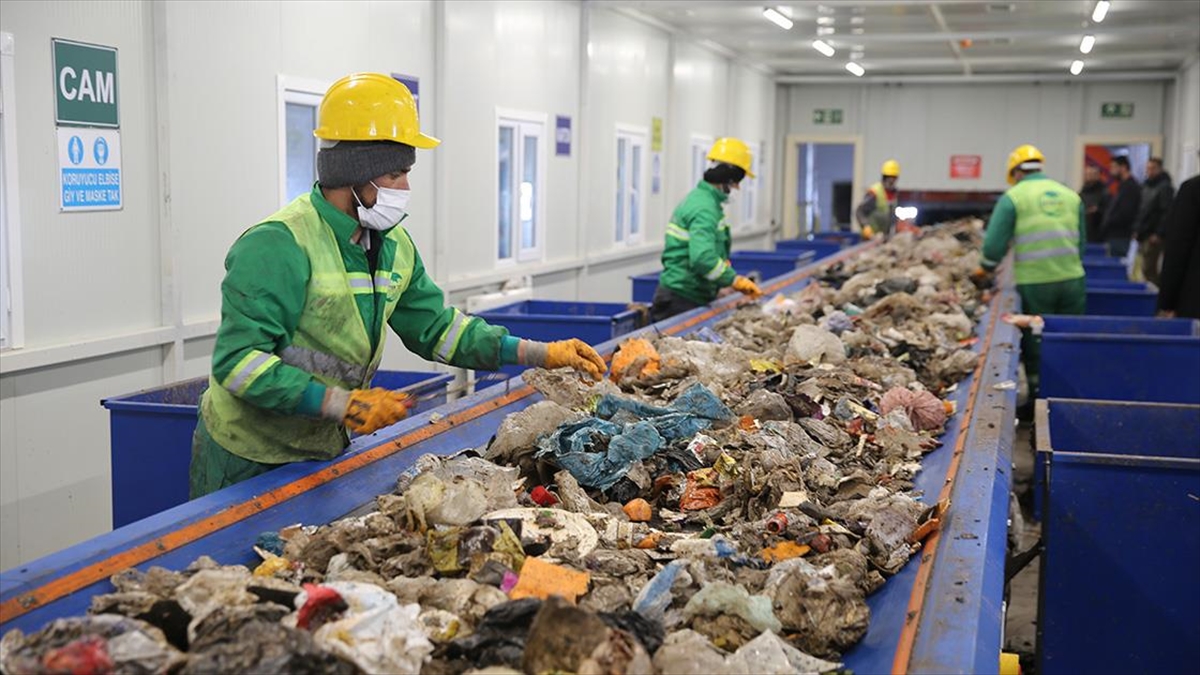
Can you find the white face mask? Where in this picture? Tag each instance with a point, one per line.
(389, 209)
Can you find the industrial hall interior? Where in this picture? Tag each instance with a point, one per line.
(606, 337)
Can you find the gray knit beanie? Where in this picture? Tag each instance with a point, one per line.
(358, 162)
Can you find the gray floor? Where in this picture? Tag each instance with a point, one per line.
(1021, 624)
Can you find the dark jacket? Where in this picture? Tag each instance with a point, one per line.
(1179, 282)
(1122, 211)
(1157, 194)
(1095, 202)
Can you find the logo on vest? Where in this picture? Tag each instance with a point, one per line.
(1051, 203)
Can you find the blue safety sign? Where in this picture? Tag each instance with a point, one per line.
(89, 169)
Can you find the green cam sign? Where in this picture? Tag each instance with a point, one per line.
(85, 84)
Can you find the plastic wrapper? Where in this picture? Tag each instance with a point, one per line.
(376, 633)
(812, 345)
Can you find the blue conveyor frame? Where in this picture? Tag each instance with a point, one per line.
(942, 613)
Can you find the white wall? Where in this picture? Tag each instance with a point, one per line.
(922, 125)
(128, 300)
(1181, 153)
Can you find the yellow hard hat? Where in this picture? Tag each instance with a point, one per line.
(1023, 153)
(891, 168)
(732, 151)
(370, 107)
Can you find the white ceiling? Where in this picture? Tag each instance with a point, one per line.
(937, 38)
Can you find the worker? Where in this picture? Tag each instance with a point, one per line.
(1122, 211)
(1179, 290)
(695, 256)
(1045, 221)
(876, 214)
(1151, 226)
(309, 291)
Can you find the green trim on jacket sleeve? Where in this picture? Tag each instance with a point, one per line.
(262, 297)
(311, 400)
(1000, 229)
(436, 332)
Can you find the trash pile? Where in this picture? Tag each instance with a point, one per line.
(723, 503)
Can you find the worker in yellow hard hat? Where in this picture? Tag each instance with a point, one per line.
(310, 291)
(696, 252)
(1045, 222)
(876, 213)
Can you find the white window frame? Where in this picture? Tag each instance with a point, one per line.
(301, 91)
(634, 137)
(526, 124)
(12, 309)
(749, 198)
(700, 146)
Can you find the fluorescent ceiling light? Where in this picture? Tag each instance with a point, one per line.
(826, 30)
(1086, 45)
(1101, 11)
(776, 17)
(1076, 67)
(823, 47)
(855, 68)
(824, 20)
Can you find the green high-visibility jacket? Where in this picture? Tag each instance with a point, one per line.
(1042, 218)
(696, 253)
(885, 210)
(302, 310)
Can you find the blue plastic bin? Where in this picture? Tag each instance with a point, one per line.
(1099, 250)
(1120, 325)
(1106, 268)
(549, 320)
(842, 238)
(151, 434)
(1104, 301)
(1120, 588)
(769, 264)
(820, 249)
(1157, 368)
(1119, 284)
(644, 286)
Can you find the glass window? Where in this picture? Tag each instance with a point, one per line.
(505, 206)
(622, 159)
(631, 149)
(635, 192)
(700, 148)
(301, 119)
(521, 186)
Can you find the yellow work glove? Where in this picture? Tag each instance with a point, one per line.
(577, 354)
(867, 232)
(747, 287)
(364, 411)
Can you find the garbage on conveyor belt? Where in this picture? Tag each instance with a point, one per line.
(723, 503)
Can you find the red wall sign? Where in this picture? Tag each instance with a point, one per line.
(965, 166)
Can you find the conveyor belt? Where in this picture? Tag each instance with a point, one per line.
(942, 612)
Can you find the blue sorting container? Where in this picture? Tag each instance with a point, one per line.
(1105, 268)
(769, 264)
(1120, 325)
(1095, 250)
(1120, 366)
(1121, 301)
(644, 286)
(843, 238)
(1119, 583)
(151, 433)
(820, 249)
(548, 320)
(1120, 284)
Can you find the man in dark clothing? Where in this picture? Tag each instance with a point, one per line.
(1095, 201)
(1122, 210)
(1179, 283)
(1157, 193)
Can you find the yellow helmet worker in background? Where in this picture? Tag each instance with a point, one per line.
(311, 290)
(695, 256)
(877, 212)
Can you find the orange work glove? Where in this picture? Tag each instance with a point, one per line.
(746, 286)
(867, 232)
(364, 411)
(577, 354)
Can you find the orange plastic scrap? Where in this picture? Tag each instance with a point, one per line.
(930, 521)
(634, 358)
(784, 551)
(541, 579)
(701, 491)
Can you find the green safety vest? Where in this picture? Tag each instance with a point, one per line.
(881, 218)
(1046, 236)
(330, 342)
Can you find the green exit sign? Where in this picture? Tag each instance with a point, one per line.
(1116, 110)
(85, 84)
(827, 115)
